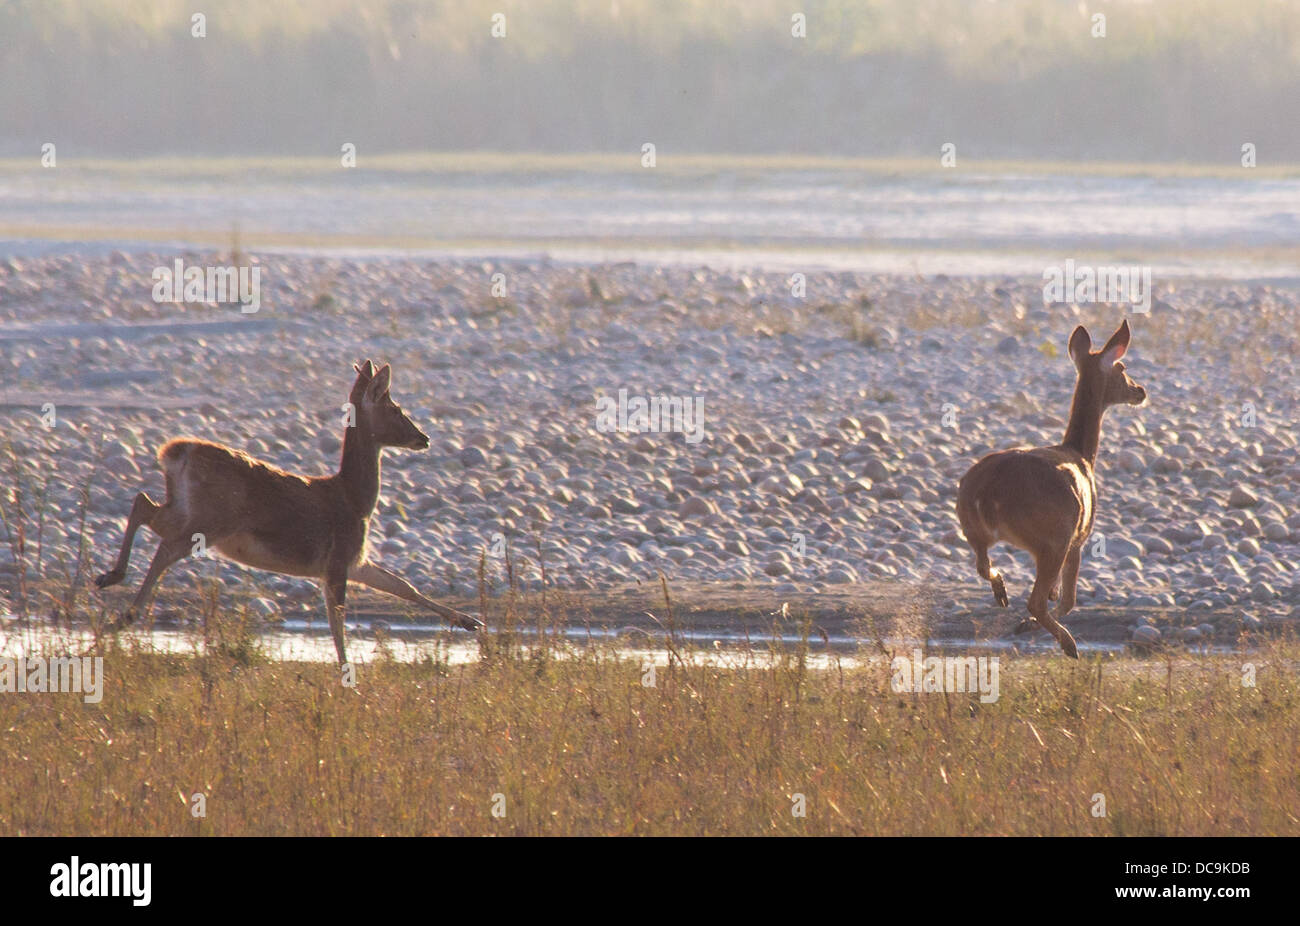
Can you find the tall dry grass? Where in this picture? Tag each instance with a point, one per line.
(573, 741)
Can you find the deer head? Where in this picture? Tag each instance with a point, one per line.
(378, 416)
(1103, 380)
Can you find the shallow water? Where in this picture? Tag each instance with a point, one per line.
(303, 641)
(778, 218)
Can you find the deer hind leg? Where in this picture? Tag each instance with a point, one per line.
(1049, 571)
(142, 514)
(1069, 579)
(1030, 623)
(390, 582)
(170, 552)
(987, 572)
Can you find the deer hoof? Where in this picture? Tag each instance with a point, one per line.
(1000, 592)
(1067, 644)
(1025, 626)
(111, 577)
(469, 623)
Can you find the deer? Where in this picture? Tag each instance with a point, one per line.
(1043, 500)
(248, 511)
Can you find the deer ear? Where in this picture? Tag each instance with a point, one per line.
(379, 384)
(1116, 346)
(1080, 344)
(366, 370)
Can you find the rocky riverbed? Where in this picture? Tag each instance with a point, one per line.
(834, 422)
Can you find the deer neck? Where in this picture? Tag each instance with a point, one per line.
(1083, 434)
(359, 469)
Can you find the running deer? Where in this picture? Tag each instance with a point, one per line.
(261, 516)
(1043, 500)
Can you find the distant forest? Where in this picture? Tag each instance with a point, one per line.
(1171, 80)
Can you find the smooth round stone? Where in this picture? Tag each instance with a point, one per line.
(1248, 547)
(621, 505)
(890, 492)
(472, 456)
(787, 484)
(1130, 462)
(1146, 635)
(1123, 546)
(695, 506)
(1276, 531)
(1156, 544)
(876, 469)
(1263, 592)
(1241, 497)
(625, 556)
(562, 495)
(841, 576)
(263, 607)
(536, 512)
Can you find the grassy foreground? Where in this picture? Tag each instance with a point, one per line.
(581, 745)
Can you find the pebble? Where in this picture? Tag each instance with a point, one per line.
(855, 446)
(1241, 497)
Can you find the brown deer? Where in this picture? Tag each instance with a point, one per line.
(1043, 500)
(261, 516)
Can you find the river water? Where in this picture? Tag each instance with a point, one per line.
(832, 215)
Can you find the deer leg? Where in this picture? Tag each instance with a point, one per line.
(987, 572)
(336, 592)
(1030, 623)
(142, 512)
(1069, 579)
(383, 580)
(1049, 569)
(170, 552)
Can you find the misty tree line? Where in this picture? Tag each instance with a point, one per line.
(116, 89)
